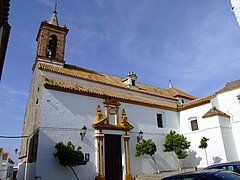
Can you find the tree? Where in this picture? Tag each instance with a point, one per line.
(176, 143)
(147, 147)
(69, 156)
(204, 145)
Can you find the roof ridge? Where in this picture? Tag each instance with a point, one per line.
(74, 87)
(85, 74)
(179, 92)
(196, 102)
(229, 86)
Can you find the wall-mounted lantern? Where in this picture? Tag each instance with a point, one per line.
(83, 132)
(140, 136)
(86, 157)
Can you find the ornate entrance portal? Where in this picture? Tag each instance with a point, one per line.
(109, 147)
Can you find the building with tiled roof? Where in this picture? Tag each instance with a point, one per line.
(66, 100)
(230, 86)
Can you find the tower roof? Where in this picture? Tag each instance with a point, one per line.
(215, 112)
(54, 20)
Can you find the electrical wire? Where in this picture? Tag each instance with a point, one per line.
(13, 137)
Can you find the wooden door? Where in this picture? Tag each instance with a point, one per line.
(113, 157)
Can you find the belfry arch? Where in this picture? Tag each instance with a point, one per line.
(52, 46)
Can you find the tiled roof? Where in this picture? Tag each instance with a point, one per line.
(176, 92)
(81, 73)
(196, 102)
(230, 86)
(215, 112)
(72, 87)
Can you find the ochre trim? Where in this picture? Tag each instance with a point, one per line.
(193, 105)
(46, 69)
(52, 87)
(103, 123)
(223, 115)
(128, 177)
(100, 178)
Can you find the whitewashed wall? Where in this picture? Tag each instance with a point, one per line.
(62, 117)
(222, 132)
(145, 119)
(230, 104)
(64, 114)
(208, 127)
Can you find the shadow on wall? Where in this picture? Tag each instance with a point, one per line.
(191, 160)
(161, 164)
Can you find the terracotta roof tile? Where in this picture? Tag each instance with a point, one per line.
(196, 102)
(89, 75)
(176, 92)
(72, 87)
(215, 112)
(230, 86)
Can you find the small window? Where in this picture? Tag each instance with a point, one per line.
(133, 82)
(194, 125)
(160, 120)
(183, 101)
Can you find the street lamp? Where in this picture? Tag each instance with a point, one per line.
(83, 132)
(140, 136)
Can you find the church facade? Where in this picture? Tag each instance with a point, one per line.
(64, 100)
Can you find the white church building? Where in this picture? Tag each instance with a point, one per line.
(64, 99)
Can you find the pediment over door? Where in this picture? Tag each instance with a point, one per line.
(112, 121)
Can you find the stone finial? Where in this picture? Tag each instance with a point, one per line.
(124, 116)
(99, 114)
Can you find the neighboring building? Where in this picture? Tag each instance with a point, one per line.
(236, 9)
(6, 166)
(4, 31)
(64, 98)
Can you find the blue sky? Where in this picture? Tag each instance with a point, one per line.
(193, 43)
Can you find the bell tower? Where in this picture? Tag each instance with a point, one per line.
(51, 39)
